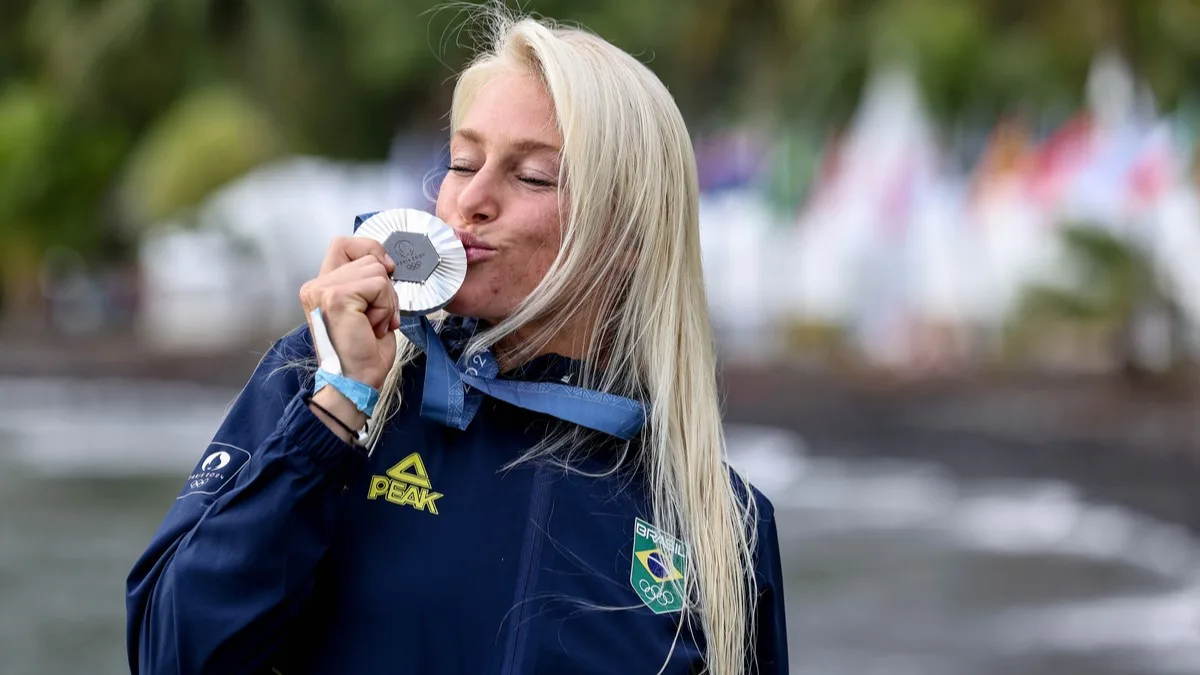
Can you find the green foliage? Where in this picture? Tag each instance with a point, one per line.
(1112, 279)
(1114, 283)
(205, 140)
(158, 102)
(30, 120)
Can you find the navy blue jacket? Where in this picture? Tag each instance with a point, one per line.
(289, 551)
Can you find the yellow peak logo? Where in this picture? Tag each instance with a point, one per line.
(406, 484)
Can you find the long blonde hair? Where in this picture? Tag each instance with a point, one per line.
(631, 245)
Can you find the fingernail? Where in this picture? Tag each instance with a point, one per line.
(389, 260)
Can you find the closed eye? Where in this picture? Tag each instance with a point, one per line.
(536, 182)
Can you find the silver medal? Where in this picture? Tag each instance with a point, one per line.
(430, 260)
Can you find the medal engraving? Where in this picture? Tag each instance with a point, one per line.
(415, 256)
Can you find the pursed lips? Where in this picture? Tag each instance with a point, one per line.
(477, 250)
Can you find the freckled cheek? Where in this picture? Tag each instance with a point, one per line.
(496, 283)
(540, 263)
(499, 283)
(446, 195)
(514, 282)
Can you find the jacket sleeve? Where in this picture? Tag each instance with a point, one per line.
(770, 637)
(235, 556)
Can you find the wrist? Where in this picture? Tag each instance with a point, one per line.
(338, 405)
(362, 395)
(370, 380)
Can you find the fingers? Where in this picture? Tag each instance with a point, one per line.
(344, 250)
(362, 268)
(373, 296)
(362, 285)
(380, 320)
(358, 302)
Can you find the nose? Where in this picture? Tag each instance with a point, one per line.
(478, 201)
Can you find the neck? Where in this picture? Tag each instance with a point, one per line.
(569, 342)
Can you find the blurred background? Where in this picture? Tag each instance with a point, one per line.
(951, 249)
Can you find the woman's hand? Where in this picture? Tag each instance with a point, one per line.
(355, 295)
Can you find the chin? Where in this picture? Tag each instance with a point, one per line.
(474, 307)
(477, 298)
(466, 305)
(458, 307)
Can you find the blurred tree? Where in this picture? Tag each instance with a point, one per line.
(1114, 296)
(209, 137)
(94, 95)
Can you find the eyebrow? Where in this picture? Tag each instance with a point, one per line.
(523, 146)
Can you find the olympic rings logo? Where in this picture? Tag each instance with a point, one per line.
(656, 592)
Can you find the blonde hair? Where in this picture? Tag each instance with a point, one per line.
(631, 245)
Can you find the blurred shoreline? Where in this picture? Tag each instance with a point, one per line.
(1132, 442)
(118, 354)
(1113, 439)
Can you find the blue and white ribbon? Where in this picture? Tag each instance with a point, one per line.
(454, 390)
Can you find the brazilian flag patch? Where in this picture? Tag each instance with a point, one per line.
(658, 572)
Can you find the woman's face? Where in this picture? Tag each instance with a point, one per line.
(501, 195)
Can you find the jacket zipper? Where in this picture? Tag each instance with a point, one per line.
(526, 573)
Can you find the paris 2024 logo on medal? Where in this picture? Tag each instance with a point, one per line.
(658, 571)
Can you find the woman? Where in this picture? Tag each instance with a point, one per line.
(502, 540)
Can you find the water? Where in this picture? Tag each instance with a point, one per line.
(72, 518)
(895, 568)
(892, 567)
